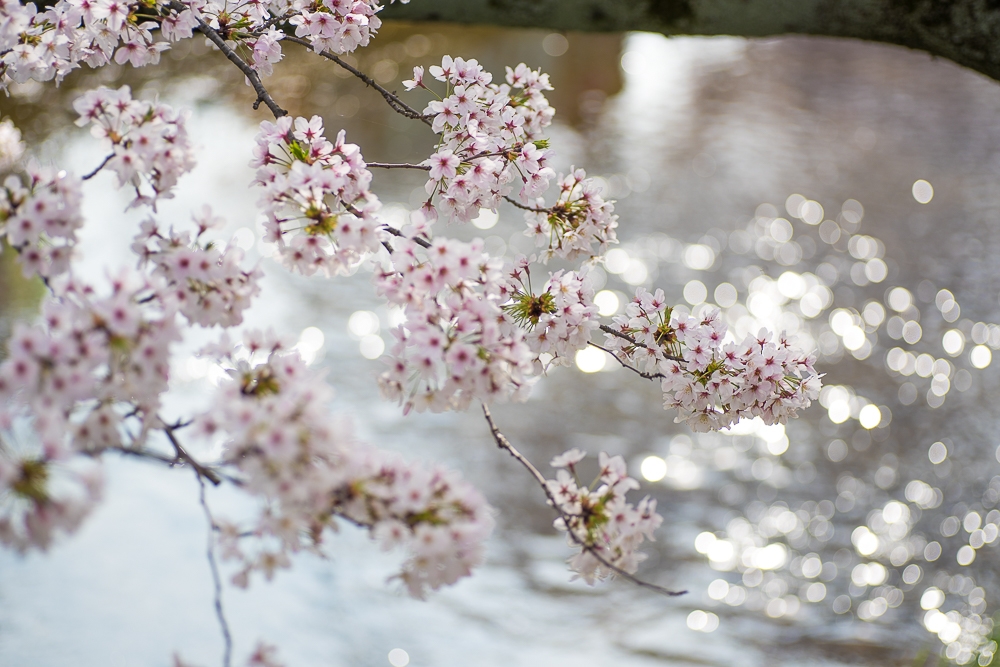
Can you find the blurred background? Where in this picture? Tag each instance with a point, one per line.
(841, 191)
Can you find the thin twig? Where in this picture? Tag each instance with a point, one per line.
(398, 105)
(504, 444)
(262, 94)
(523, 207)
(624, 336)
(614, 332)
(648, 376)
(182, 455)
(90, 175)
(227, 653)
(398, 165)
(422, 242)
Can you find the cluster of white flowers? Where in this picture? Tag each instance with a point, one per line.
(42, 496)
(711, 382)
(310, 470)
(92, 360)
(598, 518)
(11, 146)
(456, 344)
(560, 318)
(320, 211)
(148, 140)
(208, 284)
(87, 377)
(578, 220)
(40, 219)
(491, 135)
(49, 44)
(337, 26)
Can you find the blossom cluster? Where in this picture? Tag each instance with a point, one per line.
(49, 44)
(41, 497)
(311, 470)
(560, 318)
(491, 136)
(598, 519)
(572, 226)
(86, 378)
(713, 383)
(320, 210)
(40, 218)
(456, 344)
(207, 283)
(148, 140)
(11, 146)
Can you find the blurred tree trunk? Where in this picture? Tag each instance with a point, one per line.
(965, 31)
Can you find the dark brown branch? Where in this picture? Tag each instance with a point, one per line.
(648, 376)
(182, 455)
(398, 165)
(423, 243)
(504, 444)
(624, 336)
(262, 94)
(227, 638)
(398, 105)
(511, 200)
(93, 173)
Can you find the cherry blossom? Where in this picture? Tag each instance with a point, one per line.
(311, 470)
(11, 146)
(91, 373)
(713, 383)
(205, 281)
(40, 218)
(456, 344)
(578, 221)
(560, 318)
(148, 140)
(491, 137)
(598, 519)
(320, 211)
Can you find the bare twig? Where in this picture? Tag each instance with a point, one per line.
(398, 105)
(422, 242)
(93, 173)
(262, 94)
(182, 455)
(624, 336)
(227, 638)
(398, 165)
(504, 444)
(511, 200)
(648, 376)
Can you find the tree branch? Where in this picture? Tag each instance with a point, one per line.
(648, 376)
(227, 638)
(423, 243)
(964, 31)
(90, 175)
(182, 455)
(511, 200)
(397, 165)
(398, 105)
(504, 444)
(262, 94)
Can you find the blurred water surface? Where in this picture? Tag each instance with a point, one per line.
(780, 180)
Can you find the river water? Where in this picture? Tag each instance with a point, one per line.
(782, 180)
